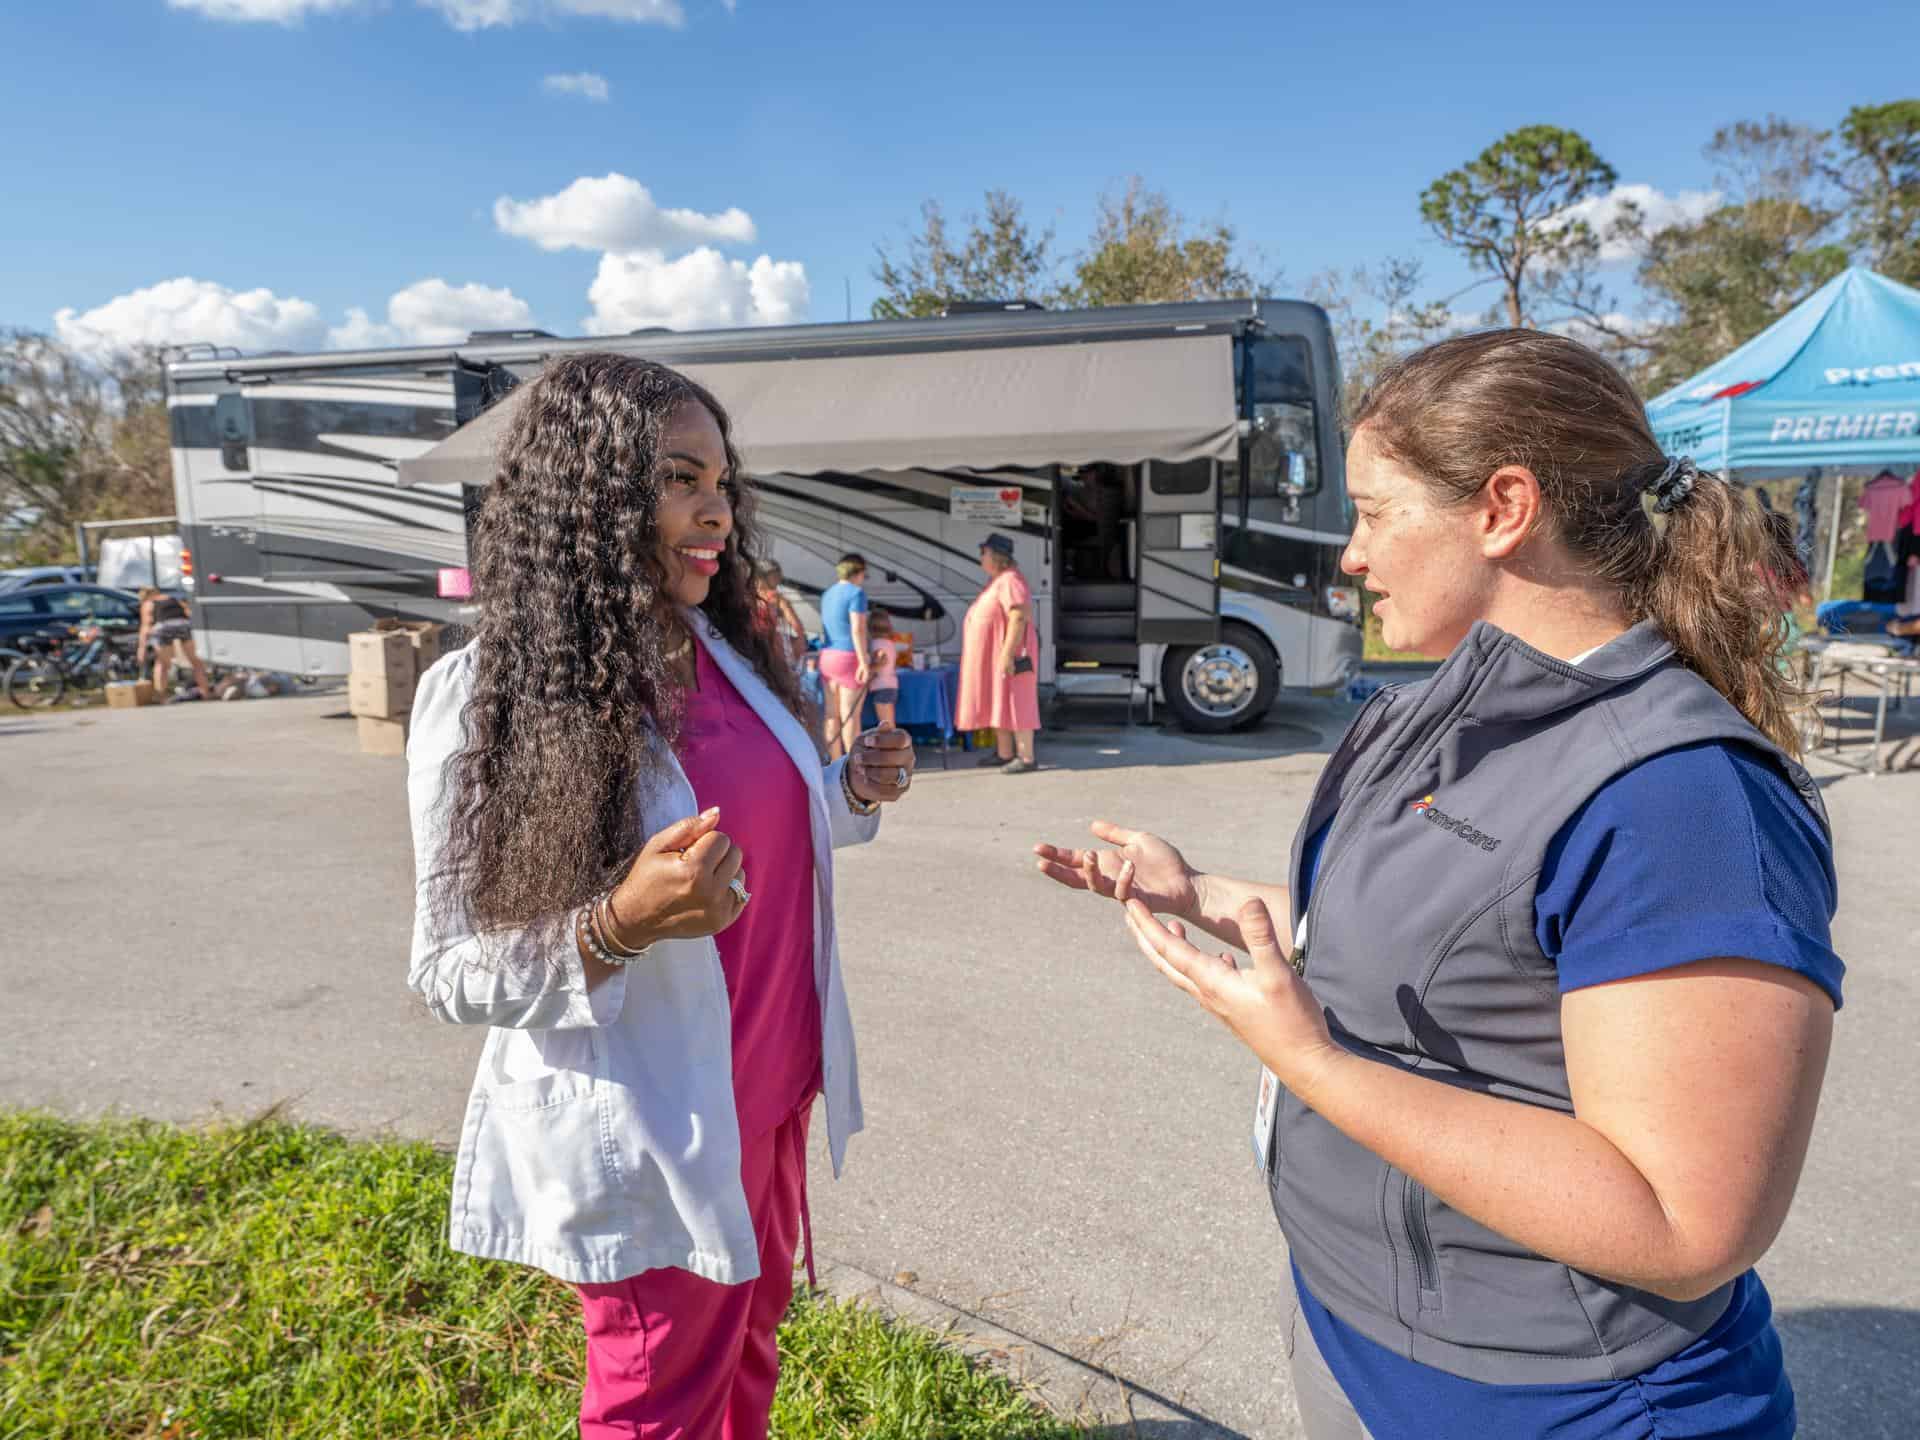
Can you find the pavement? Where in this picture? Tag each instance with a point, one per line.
(208, 910)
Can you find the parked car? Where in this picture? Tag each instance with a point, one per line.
(34, 608)
(29, 575)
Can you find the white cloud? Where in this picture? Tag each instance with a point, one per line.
(177, 311)
(700, 290)
(180, 311)
(1658, 211)
(1613, 324)
(586, 84)
(485, 14)
(615, 212)
(276, 12)
(432, 312)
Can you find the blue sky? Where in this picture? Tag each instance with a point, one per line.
(357, 154)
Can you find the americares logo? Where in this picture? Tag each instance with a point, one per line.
(1424, 807)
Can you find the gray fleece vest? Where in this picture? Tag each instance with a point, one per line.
(1420, 948)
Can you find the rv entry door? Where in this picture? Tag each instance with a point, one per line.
(1178, 575)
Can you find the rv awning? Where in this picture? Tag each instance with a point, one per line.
(1071, 404)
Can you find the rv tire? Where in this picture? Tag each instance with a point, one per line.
(1227, 685)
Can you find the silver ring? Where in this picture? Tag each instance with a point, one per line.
(738, 885)
(900, 778)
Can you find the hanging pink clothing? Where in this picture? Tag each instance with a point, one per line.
(674, 1356)
(1883, 500)
(732, 760)
(989, 696)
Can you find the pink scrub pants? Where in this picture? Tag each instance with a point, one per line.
(673, 1356)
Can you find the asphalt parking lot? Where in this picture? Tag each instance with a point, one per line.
(208, 910)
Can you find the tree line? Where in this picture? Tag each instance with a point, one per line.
(1792, 206)
(80, 439)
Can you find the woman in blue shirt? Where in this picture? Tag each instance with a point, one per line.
(1526, 1149)
(844, 667)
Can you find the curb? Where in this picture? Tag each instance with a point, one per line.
(1070, 1389)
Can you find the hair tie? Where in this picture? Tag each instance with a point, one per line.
(1673, 484)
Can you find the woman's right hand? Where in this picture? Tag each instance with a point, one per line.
(1161, 878)
(678, 886)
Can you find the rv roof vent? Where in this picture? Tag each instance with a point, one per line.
(652, 330)
(987, 307)
(479, 335)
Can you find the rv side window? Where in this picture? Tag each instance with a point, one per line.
(192, 427)
(309, 424)
(233, 428)
(1191, 478)
(1283, 455)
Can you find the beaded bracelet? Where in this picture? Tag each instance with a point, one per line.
(585, 935)
(592, 931)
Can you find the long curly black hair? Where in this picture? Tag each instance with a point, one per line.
(575, 696)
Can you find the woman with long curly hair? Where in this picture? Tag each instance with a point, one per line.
(623, 843)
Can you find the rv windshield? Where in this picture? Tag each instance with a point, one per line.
(1283, 456)
(1277, 501)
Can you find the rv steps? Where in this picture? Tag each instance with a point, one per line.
(1110, 655)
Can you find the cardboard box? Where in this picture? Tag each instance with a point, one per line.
(128, 694)
(424, 636)
(385, 653)
(382, 737)
(380, 697)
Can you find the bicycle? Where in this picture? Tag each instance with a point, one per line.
(41, 676)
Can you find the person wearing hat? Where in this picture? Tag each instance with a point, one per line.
(999, 661)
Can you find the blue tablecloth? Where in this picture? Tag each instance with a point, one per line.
(1853, 617)
(926, 703)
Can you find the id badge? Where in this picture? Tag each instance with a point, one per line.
(1266, 1119)
(1266, 1107)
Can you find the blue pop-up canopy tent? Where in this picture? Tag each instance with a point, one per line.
(1833, 384)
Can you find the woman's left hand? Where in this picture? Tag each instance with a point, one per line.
(882, 765)
(1268, 1006)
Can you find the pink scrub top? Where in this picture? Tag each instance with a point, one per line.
(732, 760)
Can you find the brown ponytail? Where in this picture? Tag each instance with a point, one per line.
(1707, 569)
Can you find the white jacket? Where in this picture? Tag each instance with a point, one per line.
(601, 1137)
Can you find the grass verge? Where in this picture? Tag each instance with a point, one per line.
(277, 1280)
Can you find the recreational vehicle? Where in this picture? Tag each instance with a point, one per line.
(1171, 476)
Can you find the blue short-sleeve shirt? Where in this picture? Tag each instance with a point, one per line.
(842, 601)
(1623, 893)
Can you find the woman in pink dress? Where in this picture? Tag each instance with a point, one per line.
(999, 661)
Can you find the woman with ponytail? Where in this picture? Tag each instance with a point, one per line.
(1545, 994)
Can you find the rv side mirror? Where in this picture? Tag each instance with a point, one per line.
(233, 428)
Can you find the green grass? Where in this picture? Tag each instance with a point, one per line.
(277, 1280)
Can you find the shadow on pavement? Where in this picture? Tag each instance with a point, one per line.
(1852, 1368)
(1096, 735)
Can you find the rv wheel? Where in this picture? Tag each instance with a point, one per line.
(1223, 686)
